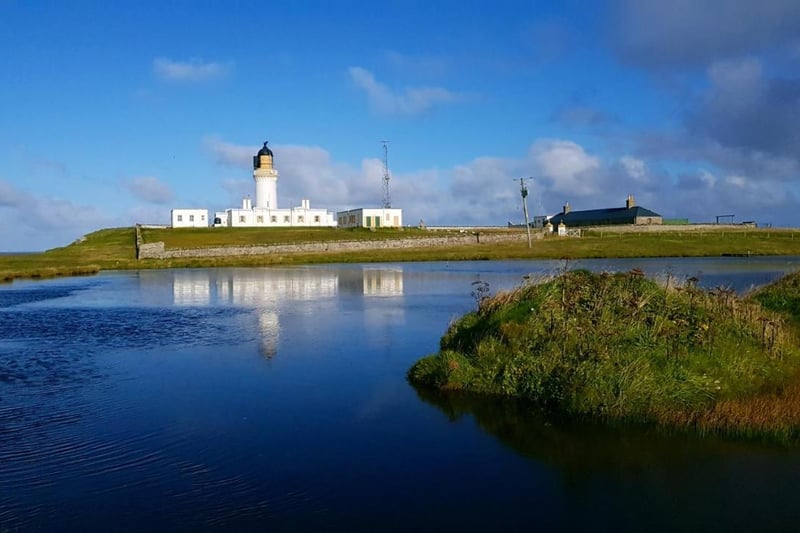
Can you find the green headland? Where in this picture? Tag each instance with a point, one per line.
(116, 248)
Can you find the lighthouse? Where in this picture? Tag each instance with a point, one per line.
(265, 213)
(266, 178)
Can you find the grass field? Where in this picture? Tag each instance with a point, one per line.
(115, 248)
(213, 237)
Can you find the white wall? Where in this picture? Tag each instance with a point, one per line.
(189, 218)
(366, 218)
(302, 216)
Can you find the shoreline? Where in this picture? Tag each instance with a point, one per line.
(116, 248)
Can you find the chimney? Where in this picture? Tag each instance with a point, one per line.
(630, 202)
(566, 208)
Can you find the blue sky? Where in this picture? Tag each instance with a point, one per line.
(111, 113)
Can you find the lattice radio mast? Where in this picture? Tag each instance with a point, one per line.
(386, 201)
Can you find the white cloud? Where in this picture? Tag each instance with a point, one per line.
(147, 214)
(740, 182)
(410, 101)
(10, 196)
(149, 189)
(33, 222)
(567, 165)
(635, 168)
(237, 189)
(485, 190)
(192, 70)
(226, 153)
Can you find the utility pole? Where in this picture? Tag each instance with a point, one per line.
(386, 201)
(524, 192)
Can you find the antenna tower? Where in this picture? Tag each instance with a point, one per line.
(386, 202)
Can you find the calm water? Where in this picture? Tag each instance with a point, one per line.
(275, 399)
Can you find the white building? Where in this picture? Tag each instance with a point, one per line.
(189, 218)
(379, 217)
(266, 212)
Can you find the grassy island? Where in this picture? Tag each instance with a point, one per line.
(622, 347)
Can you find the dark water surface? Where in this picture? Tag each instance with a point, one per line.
(275, 399)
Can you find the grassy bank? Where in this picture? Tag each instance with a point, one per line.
(115, 248)
(624, 348)
(215, 237)
(104, 249)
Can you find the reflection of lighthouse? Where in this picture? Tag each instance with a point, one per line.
(305, 293)
(270, 329)
(266, 178)
(267, 292)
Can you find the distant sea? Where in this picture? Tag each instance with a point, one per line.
(18, 253)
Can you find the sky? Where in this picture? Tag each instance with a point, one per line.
(113, 113)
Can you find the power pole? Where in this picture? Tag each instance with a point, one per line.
(386, 201)
(524, 192)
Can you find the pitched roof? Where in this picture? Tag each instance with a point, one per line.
(619, 215)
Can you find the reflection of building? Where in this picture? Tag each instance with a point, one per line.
(259, 288)
(383, 282)
(191, 287)
(307, 293)
(267, 291)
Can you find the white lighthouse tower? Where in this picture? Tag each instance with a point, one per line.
(266, 178)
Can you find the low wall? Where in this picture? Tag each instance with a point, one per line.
(157, 250)
(656, 228)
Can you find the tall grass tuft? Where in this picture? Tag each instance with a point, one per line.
(624, 347)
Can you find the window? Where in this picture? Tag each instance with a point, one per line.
(300, 219)
(191, 218)
(273, 218)
(387, 217)
(260, 219)
(202, 217)
(352, 219)
(180, 218)
(316, 218)
(241, 218)
(286, 218)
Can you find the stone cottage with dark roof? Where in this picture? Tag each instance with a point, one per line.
(613, 216)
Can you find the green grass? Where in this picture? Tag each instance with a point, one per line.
(104, 249)
(213, 237)
(115, 248)
(624, 348)
(782, 296)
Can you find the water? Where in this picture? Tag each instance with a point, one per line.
(238, 399)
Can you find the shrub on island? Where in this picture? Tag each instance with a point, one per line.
(625, 347)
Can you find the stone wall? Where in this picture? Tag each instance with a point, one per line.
(157, 250)
(655, 228)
